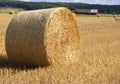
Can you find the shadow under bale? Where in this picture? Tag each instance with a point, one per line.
(3, 61)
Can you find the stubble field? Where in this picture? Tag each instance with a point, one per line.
(99, 58)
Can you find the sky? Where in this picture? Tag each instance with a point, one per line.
(109, 2)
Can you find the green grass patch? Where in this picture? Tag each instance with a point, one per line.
(85, 15)
(4, 11)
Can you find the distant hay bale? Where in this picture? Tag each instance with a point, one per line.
(11, 12)
(114, 16)
(98, 15)
(43, 37)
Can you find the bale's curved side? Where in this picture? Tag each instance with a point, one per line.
(41, 37)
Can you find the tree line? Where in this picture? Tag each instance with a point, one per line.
(110, 9)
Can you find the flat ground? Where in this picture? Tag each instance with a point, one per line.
(99, 61)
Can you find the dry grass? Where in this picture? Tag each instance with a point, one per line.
(2, 41)
(4, 21)
(99, 61)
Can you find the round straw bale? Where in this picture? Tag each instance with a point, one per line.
(11, 12)
(43, 37)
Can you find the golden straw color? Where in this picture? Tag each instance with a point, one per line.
(43, 37)
(2, 41)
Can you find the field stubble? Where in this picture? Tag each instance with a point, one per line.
(99, 61)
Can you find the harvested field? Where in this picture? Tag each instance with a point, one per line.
(99, 61)
(4, 21)
(2, 41)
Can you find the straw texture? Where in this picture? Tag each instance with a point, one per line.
(43, 37)
(2, 41)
